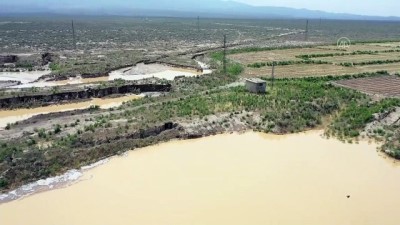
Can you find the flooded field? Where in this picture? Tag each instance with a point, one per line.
(138, 72)
(227, 179)
(143, 71)
(12, 116)
(24, 77)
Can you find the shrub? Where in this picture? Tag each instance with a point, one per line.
(57, 129)
(3, 183)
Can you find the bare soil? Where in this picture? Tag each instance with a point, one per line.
(387, 86)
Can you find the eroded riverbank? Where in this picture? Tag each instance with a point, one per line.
(227, 179)
(12, 116)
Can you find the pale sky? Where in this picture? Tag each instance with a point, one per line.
(362, 7)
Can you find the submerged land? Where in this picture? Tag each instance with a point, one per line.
(165, 80)
(221, 180)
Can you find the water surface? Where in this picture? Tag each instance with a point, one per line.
(12, 116)
(227, 180)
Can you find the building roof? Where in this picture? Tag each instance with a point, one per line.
(256, 80)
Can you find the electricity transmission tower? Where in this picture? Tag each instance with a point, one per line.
(198, 23)
(306, 33)
(273, 74)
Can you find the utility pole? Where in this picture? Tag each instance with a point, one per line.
(73, 34)
(198, 24)
(306, 34)
(224, 60)
(273, 74)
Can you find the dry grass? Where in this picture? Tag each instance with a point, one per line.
(361, 58)
(390, 44)
(304, 70)
(301, 70)
(359, 47)
(277, 55)
(391, 68)
(307, 70)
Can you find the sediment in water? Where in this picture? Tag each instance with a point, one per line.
(227, 179)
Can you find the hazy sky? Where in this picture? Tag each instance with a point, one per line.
(363, 7)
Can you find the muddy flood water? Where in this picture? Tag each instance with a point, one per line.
(12, 116)
(226, 180)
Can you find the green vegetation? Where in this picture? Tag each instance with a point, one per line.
(232, 68)
(337, 54)
(8, 150)
(353, 119)
(293, 105)
(392, 141)
(26, 65)
(57, 129)
(54, 66)
(373, 62)
(94, 107)
(3, 183)
(285, 63)
(262, 49)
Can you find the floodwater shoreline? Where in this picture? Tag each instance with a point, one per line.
(179, 182)
(74, 176)
(38, 79)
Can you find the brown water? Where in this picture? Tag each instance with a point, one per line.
(12, 116)
(227, 180)
(82, 80)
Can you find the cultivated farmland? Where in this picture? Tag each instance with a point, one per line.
(387, 86)
(321, 60)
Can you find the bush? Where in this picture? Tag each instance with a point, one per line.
(94, 107)
(57, 129)
(42, 133)
(3, 183)
(234, 69)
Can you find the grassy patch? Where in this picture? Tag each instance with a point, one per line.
(353, 119)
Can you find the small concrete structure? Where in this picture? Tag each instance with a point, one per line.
(256, 85)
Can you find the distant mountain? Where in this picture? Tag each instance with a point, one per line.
(176, 8)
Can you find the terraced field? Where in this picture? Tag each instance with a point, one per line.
(302, 70)
(321, 60)
(363, 47)
(278, 55)
(361, 58)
